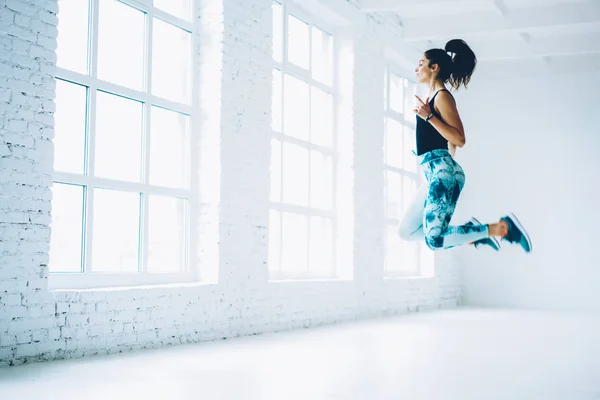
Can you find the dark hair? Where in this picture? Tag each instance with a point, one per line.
(455, 68)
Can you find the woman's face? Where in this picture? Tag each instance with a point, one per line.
(423, 71)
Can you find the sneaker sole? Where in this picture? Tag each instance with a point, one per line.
(493, 239)
(522, 229)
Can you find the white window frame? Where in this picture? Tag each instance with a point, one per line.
(285, 67)
(417, 176)
(86, 278)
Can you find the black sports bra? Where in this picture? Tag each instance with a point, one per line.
(428, 138)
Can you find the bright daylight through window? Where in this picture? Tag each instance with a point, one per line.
(121, 192)
(303, 150)
(402, 176)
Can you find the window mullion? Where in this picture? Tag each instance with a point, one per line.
(310, 91)
(91, 139)
(148, 8)
(284, 60)
(122, 186)
(72, 76)
(93, 86)
(281, 136)
(93, 55)
(140, 5)
(292, 208)
(336, 146)
(173, 20)
(303, 143)
(145, 201)
(304, 75)
(89, 198)
(401, 171)
(192, 233)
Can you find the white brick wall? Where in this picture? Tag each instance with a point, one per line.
(38, 324)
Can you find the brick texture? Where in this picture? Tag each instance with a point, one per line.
(39, 324)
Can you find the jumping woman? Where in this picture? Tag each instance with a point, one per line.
(439, 132)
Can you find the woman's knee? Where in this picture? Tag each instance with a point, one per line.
(434, 242)
(405, 231)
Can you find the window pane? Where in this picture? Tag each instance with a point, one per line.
(426, 259)
(179, 8)
(277, 32)
(115, 242)
(298, 42)
(321, 246)
(67, 228)
(275, 170)
(385, 88)
(393, 143)
(171, 62)
(396, 99)
(274, 240)
(296, 117)
(70, 120)
(409, 191)
(393, 243)
(294, 243)
(277, 102)
(118, 137)
(409, 262)
(295, 175)
(410, 144)
(393, 184)
(121, 44)
(410, 89)
(321, 117)
(400, 255)
(321, 180)
(166, 234)
(72, 51)
(322, 56)
(169, 148)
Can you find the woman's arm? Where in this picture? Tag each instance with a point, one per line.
(451, 128)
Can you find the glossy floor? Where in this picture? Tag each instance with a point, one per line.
(455, 354)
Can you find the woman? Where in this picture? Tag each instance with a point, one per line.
(439, 131)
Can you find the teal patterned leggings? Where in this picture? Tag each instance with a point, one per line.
(428, 217)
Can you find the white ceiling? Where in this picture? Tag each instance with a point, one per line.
(508, 36)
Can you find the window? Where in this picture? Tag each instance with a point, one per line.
(402, 175)
(303, 149)
(122, 179)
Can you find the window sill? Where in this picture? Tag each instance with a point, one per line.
(284, 278)
(77, 282)
(407, 277)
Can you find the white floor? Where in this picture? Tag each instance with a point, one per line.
(457, 354)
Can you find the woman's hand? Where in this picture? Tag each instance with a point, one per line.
(452, 149)
(422, 109)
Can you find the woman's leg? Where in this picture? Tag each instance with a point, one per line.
(411, 226)
(446, 183)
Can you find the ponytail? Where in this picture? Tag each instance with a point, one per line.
(456, 61)
(463, 62)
